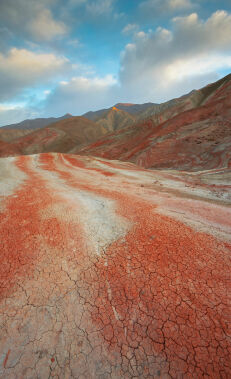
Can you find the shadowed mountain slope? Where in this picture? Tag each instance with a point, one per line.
(196, 135)
(12, 132)
(132, 109)
(115, 119)
(61, 136)
(36, 123)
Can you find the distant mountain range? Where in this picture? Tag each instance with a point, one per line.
(190, 132)
(37, 122)
(11, 132)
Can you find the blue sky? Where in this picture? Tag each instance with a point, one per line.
(72, 56)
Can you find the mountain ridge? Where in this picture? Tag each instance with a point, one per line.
(187, 136)
(184, 133)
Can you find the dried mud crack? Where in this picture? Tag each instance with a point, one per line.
(112, 271)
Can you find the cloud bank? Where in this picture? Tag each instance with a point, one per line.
(21, 68)
(156, 66)
(31, 19)
(167, 62)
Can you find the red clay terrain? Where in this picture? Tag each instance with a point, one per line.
(192, 133)
(109, 270)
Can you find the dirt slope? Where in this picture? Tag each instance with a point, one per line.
(12, 132)
(194, 139)
(11, 135)
(67, 135)
(61, 136)
(115, 119)
(111, 271)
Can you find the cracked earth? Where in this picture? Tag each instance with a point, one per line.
(112, 271)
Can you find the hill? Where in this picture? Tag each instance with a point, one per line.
(66, 135)
(61, 136)
(36, 123)
(115, 119)
(188, 133)
(12, 132)
(194, 133)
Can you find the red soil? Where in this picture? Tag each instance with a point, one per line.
(154, 303)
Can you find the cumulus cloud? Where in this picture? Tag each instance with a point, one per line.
(44, 28)
(21, 68)
(81, 94)
(99, 7)
(166, 62)
(31, 19)
(130, 28)
(165, 5)
(155, 66)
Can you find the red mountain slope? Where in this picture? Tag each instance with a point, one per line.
(198, 138)
(60, 136)
(7, 149)
(111, 271)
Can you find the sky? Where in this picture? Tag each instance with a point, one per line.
(72, 56)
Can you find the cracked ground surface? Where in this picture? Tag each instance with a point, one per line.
(111, 271)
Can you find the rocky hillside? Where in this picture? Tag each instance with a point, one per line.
(196, 135)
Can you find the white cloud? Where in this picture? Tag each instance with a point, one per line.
(141, 34)
(156, 66)
(154, 8)
(130, 28)
(167, 63)
(74, 43)
(47, 92)
(166, 5)
(100, 7)
(44, 28)
(21, 68)
(81, 94)
(179, 4)
(31, 19)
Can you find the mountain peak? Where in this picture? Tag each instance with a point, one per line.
(124, 104)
